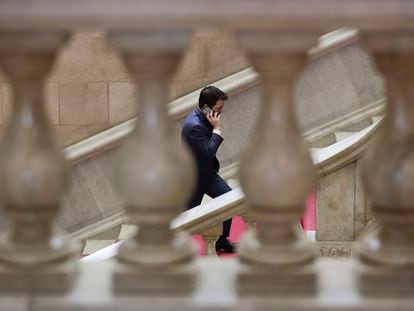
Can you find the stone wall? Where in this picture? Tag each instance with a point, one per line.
(90, 90)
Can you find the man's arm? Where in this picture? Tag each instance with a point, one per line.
(199, 139)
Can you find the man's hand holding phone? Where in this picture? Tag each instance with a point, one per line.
(214, 119)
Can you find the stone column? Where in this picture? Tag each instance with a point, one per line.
(210, 236)
(155, 173)
(387, 256)
(276, 172)
(33, 171)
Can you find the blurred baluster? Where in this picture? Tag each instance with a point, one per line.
(33, 171)
(155, 173)
(276, 172)
(387, 255)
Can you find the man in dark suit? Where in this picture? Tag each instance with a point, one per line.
(201, 131)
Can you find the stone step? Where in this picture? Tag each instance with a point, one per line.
(92, 246)
(233, 183)
(311, 234)
(357, 126)
(376, 118)
(205, 199)
(313, 150)
(127, 231)
(340, 135)
(323, 141)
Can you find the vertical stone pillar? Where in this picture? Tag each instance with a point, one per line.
(210, 236)
(155, 173)
(276, 172)
(387, 256)
(33, 171)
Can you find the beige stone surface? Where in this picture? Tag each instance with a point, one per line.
(97, 175)
(324, 92)
(335, 205)
(51, 90)
(178, 88)
(123, 99)
(3, 77)
(336, 249)
(92, 196)
(83, 103)
(224, 56)
(79, 208)
(87, 57)
(211, 55)
(380, 281)
(70, 134)
(361, 206)
(259, 281)
(193, 63)
(5, 101)
(238, 120)
(54, 278)
(51, 102)
(360, 68)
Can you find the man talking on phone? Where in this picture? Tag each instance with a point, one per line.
(201, 131)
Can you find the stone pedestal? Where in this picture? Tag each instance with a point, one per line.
(386, 281)
(260, 280)
(53, 278)
(166, 280)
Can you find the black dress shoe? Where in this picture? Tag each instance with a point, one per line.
(225, 246)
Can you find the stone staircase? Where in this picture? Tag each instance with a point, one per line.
(321, 145)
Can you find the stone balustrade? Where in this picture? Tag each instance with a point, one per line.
(276, 268)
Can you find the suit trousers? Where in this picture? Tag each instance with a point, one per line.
(213, 187)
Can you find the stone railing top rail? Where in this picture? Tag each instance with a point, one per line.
(312, 15)
(178, 108)
(196, 219)
(345, 151)
(232, 203)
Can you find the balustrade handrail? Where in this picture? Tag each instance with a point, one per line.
(231, 204)
(262, 14)
(233, 84)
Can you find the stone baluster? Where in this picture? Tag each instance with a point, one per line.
(33, 171)
(276, 172)
(155, 172)
(250, 222)
(387, 256)
(210, 236)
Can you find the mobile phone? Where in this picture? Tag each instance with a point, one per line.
(206, 110)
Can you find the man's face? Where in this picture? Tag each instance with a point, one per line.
(219, 106)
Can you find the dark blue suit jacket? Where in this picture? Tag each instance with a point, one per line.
(198, 133)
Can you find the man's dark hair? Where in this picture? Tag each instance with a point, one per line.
(210, 95)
